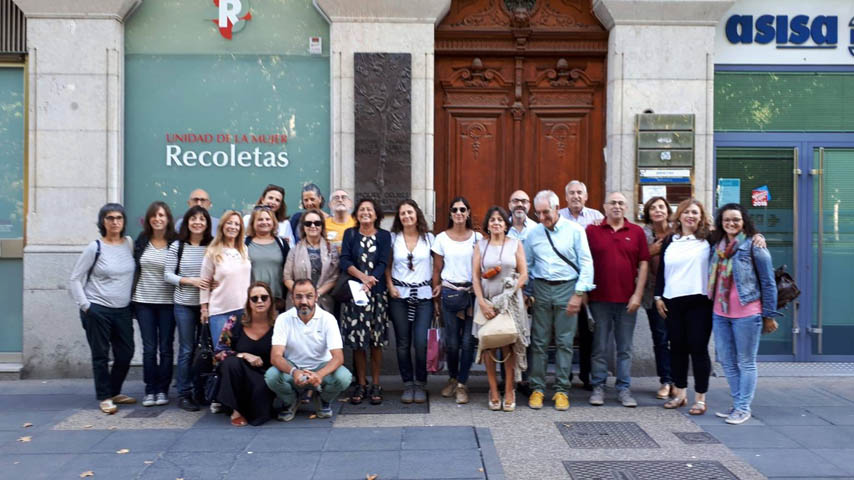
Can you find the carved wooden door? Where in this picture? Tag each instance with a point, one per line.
(519, 102)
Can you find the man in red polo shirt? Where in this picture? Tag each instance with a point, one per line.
(620, 257)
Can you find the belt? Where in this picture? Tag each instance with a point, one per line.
(553, 282)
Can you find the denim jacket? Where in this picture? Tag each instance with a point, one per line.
(745, 272)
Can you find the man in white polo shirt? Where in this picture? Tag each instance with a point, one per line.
(307, 353)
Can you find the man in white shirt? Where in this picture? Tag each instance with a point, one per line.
(307, 353)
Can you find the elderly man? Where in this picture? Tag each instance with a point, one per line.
(340, 205)
(201, 198)
(307, 353)
(620, 258)
(520, 205)
(559, 260)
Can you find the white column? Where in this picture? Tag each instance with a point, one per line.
(75, 165)
(661, 58)
(390, 26)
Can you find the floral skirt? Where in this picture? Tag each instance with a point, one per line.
(365, 327)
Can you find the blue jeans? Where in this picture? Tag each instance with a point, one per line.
(411, 334)
(460, 345)
(187, 319)
(737, 343)
(660, 345)
(216, 322)
(550, 317)
(157, 329)
(612, 319)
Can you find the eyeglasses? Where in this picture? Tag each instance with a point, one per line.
(459, 209)
(259, 298)
(313, 223)
(409, 257)
(617, 202)
(520, 200)
(340, 197)
(114, 218)
(199, 199)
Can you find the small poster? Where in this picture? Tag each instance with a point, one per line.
(760, 196)
(729, 191)
(650, 191)
(315, 46)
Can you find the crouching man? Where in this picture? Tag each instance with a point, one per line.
(306, 353)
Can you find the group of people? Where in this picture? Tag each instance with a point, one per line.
(273, 292)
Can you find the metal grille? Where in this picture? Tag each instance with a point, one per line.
(605, 435)
(648, 470)
(13, 28)
(696, 438)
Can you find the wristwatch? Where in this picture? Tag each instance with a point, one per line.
(580, 293)
(657, 298)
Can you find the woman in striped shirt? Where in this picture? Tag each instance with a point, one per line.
(152, 300)
(183, 270)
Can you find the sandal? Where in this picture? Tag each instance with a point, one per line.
(698, 408)
(676, 403)
(238, 421)
(358, 394)
(376, 394)
(495, 405)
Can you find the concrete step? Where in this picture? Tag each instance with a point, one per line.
(10, 371)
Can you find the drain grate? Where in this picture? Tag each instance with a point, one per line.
(696, 438)
(391, 405)
(145, 413)
(605, 435)
(648, 470)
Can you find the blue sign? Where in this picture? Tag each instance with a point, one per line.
(823, 30)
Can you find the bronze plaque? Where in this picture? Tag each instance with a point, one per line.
(383, 97)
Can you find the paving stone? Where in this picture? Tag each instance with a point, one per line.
(452, 463)
(696, 438)
(798, 397)
(830, 436)
(138, 441)
(202, 441)
(489, 455)
(108, 465)
(357, 465)
(649, 470)
(788, 416)
(26, 403)
(605, 435)
(746, 436)
(33, 467)
(439, 438)
(45, 419)
(842, 458)
(391, 405)
(289, 440)
(363, 439)
(835, 415)
(144, 412)
(53, 441)
(190, 466)
(96, 420)
(788, 462)
(711, 419)
(274, 465)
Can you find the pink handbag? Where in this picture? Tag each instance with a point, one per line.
(435, 349)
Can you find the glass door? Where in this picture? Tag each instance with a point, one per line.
(832, 253)
(763, 179)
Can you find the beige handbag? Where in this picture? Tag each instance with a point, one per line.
(497, 332)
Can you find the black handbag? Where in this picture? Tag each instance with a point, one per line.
(203, 357)
(212, 386)
(341, 292)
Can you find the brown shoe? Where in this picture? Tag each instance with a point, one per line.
(664, 392)
(450, 388)
(122, 399)
(461, 393)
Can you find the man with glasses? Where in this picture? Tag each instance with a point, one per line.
(201, 198)
(340, 204)
(620, 261)
(520, 205)
(559, 260)
(307, 353)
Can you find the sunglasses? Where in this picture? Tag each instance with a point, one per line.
(263, 207)
(313, 223)
(409, 259)
(459, 209)
(259, 298)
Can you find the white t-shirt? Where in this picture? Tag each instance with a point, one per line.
(285, 231)
(307, 345)
(686, 267)
(456, 256)
(422, 264)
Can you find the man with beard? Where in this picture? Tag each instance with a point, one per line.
(307, 353)
(520, 205)
(340, 205)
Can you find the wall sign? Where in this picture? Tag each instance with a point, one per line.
(230, 16)
(226, 150)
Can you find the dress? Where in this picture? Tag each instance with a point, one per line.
(242, 387)
(366, 327)
(492, 256)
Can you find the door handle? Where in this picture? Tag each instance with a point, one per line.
(796, 330)
(819, 310)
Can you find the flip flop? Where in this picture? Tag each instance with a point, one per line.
(238, 421)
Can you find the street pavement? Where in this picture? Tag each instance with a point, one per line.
(802, 428)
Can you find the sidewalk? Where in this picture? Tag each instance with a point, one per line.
(802, 428)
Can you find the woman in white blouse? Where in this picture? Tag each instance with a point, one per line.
(410, 298)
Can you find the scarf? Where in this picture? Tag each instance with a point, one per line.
(721, 270)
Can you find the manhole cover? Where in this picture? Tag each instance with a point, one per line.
(696, 438)
(648, 470)
(145, 412)
(391, 405)
(605, 435)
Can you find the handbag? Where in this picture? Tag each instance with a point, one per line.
(212, 386)
(341, 292)
(787, 290)
(435, 350)
(203, 356)
(499, 331)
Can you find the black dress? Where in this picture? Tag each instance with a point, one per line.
(242, 386)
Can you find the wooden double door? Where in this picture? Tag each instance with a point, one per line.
(517, 106)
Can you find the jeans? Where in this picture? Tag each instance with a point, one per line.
(157, 329)
(612, 318)
(283, 385)
(689, 324)
(737, 343)
(108, 327)
(216, 322)
(460, 344)
(660, 345)
(411, 334)
(550, 316)
(187, 319)
(585, 348)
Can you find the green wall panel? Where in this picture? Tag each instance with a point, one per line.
(12, 152)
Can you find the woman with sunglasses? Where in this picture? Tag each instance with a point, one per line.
(273, 196)
(100, 284)
(364, 255)
(314, 258)
(267, 252)
(410, 304)
(243, 353)
(152, 300)
(452, 283)
(496, 260)
(183, 270)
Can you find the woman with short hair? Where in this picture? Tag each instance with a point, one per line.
(311, 198)
(313, 258)
(267, 252)
(101, 284)
(152, 300)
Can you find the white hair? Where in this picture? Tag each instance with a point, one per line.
(547, 196)
(575, 182)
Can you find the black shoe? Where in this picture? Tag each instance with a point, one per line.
(588, 387)
(187, 403)
(524, 388)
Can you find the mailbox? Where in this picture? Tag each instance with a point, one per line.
(665, 140)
